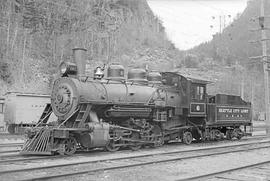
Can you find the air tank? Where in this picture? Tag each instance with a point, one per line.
(116, 72)
(137, 75)
(154, 77)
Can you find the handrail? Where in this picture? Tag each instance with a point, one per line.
(41, 121)
(68, 118)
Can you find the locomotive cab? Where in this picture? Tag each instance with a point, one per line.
(197, 98)
(191, 90)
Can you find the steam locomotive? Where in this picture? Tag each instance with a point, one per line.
(144, 109)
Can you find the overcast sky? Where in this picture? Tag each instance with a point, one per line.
(188, 22)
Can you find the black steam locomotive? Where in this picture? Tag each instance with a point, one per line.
(144, 109)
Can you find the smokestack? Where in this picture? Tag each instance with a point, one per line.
(79, 55)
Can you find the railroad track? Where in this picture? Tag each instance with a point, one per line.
(215, 174)
(20, 158)
(9, 151)
(83, 167)
(4, 133)
(9, 148)
(11, 145)
(11, 136)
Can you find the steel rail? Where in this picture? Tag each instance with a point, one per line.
(31, 158)
(124, 165)
(11, 145)
(11, 135)
(4, 133)
(138, 164)
(210, 175)
(23, 158)
(9, 151)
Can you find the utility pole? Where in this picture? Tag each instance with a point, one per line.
(265, 66)
(242, 91)
(220, 27)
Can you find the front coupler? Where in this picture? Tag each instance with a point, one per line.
(49, 141)
(65, 141)
(39, 142)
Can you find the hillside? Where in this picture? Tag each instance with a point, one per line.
(225, 59)
(37, 35)
(234, 43)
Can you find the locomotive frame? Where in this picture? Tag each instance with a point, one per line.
(142, 110)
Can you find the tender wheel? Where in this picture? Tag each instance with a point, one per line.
(70, 146)
(239, 137)
(187, 137)
(228, 135)
(238, 133)
(218, 135)
(135, 146)
(111, 146)
(215, 135)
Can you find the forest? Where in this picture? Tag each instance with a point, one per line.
(227, 58)
(36, 35)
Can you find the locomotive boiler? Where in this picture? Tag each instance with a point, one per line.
(134, 110)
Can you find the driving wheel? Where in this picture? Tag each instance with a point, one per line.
(70, 146)
(135, 145)
(111, 146)
(156, 136)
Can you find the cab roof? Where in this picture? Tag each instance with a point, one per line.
(192, 78)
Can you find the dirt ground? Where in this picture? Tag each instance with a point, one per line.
(165, 171)
(181, 169)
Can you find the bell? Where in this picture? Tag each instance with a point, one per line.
(99, 73)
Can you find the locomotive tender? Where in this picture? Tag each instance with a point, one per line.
(143, 109)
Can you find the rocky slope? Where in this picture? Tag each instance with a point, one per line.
(226, 60)
(40, 34)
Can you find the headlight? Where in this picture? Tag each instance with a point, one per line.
(67, 68)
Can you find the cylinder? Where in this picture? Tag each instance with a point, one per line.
(79, 55)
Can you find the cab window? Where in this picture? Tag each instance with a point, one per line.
(197, 92)
(184, 85)
(175, 81)
(170, 80)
